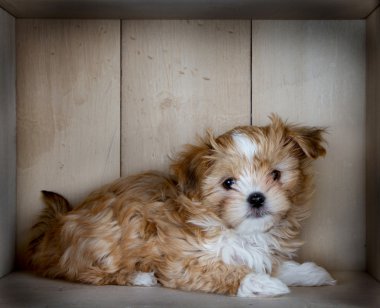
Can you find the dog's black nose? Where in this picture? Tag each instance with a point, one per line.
(256, 199)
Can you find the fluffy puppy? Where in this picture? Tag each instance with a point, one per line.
(225, 220)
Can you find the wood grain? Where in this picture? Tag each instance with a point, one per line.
(21, 290)
(313, 72)
(373, 144)
(180, 78)
(68, 96)
(191, 9)
(7, 142)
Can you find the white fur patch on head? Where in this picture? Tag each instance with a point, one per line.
(144, 279)
(259, 285)
(245, 145)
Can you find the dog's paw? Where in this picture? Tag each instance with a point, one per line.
(144, 279)
(318, 275)
(306, 274)
(261, 285)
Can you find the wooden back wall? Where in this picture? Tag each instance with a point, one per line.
(99, 99)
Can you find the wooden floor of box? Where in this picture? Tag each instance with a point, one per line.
(20, 289)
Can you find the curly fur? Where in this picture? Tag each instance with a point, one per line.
(186, 228)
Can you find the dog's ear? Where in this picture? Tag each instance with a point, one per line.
(310, 140)
(191, 165)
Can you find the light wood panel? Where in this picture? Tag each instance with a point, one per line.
(373, 144)
(192, 9)
(179, 78)
(313, 72)
(68, 111)
(7, 142)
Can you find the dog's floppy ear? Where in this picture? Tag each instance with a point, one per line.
(190, 166)
(309, 139)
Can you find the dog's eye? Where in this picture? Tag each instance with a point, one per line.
(227, 184)
(276, 175)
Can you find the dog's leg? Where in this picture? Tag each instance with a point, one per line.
(218, 277)
(122, 277)
(306, 274)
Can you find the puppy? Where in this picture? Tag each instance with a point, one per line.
(225, 220)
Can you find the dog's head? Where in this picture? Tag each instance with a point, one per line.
(251, 176)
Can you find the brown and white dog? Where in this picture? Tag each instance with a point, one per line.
(225, 220)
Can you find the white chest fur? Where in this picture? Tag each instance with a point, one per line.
(253, 250)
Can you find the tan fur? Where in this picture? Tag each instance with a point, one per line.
(150, 222)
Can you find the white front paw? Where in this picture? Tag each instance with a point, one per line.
(318, 275)
(306, 274)
(260, 285)
(144, 279)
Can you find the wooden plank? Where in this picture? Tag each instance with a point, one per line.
(179, 78)
(192, 9)
(7, 142)
(68, 111)
(373, 144)
(24, 290)
(314, 72)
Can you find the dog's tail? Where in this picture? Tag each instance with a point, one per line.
(56, 206)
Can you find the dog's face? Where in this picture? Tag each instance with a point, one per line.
(252, 176)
